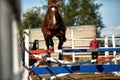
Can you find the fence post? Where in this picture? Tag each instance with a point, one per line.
(73, 55)
(16, 61)
(26, 72)
(114, 52)
(106, 46)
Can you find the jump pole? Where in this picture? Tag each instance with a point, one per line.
(26, 62)
(76, 69)
(74, 50)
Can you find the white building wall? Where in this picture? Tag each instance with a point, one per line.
(86, 31)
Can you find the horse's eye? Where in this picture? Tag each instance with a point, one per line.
(53, 8)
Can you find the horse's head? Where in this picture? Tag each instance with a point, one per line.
(53, 9)
(53, 3)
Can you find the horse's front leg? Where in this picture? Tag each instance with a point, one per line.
(50, 46)
(60, 47)
(49, 43)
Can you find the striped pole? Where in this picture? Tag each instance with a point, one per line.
(76, 69)
(39, 57)
(96, 60)
(73, 50)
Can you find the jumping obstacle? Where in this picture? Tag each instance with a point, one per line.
(38, 57)
(71, 67)
(78, 67)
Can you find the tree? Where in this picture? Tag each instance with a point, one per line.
(32, 18)
(68, 11)
(81, 12)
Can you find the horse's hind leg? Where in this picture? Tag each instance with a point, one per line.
(63, 38)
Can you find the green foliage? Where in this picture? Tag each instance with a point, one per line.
(81, 12)
(32, 18)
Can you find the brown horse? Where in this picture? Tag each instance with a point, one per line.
(53, 25)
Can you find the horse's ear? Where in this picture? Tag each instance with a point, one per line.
(58, 3)
(53, 3)
(48, 2)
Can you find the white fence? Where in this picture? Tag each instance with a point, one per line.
(72, 44)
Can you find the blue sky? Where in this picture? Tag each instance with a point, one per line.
(27, 4)
(110, 12)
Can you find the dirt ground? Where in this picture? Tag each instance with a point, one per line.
(85, 76)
